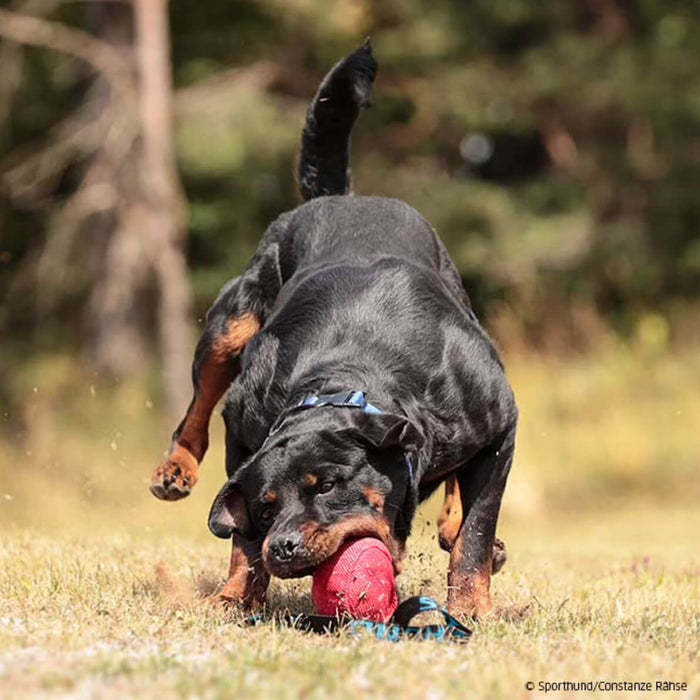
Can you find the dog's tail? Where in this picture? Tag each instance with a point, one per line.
(324, 164)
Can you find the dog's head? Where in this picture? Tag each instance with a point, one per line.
(329, 475)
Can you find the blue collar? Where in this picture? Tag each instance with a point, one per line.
(354, 399)
(348, 399)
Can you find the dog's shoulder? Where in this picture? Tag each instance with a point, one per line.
(462, 420)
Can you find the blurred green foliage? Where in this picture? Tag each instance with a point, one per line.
(554, 146)
(595, 431)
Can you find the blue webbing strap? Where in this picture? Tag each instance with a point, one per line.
(351, 399)
(397, 629)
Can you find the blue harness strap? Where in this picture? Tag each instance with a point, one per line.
(343, 399)
(350, 399)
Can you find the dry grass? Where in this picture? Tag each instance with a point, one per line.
(101, 586)
(122, 615)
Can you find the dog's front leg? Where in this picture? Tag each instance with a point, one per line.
(247, 579)
(215, 367)
(479, 485)
(236, 316)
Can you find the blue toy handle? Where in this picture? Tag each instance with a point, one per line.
(452, 629)
(400, 628)
(397, 629)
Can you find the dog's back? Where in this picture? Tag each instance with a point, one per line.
(358, 229)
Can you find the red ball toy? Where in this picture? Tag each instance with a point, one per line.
(358, 580)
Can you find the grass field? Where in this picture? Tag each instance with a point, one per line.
(102, 587)
(612, 598)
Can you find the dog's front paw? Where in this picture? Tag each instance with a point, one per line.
(468, 593)
(236, 601)
(174, 478)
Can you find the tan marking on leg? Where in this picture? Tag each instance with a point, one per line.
(451, 515)
(238, 333)
(247, 579)
(468, 594)
(174, 478)
(499, 556)
(215, 377)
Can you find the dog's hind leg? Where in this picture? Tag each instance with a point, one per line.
(451, 516)
(475, 556)
(450, 523)
(236, 316)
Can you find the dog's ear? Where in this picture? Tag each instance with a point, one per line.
(229, 513)
(387, 430)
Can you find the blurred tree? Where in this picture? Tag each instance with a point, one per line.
(163, 199)
(553, 145)
(120, 223)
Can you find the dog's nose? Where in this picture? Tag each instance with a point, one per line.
(285, 547)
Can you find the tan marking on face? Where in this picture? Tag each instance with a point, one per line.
(374, 497)
(310, 479)
(451, 515)
(323, 542)
(270, 497)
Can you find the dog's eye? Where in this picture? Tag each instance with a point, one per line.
(326, 486)
(266, 513)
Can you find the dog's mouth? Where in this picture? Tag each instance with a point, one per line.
(292, 572)
(319, 543)
(296, 568)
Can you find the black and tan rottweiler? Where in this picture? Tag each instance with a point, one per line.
(358, 381)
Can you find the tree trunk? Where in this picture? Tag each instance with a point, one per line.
(129, 199)
(117, 333)
(165, 211)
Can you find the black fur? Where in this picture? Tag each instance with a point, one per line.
(323, 167)
(357, 293)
